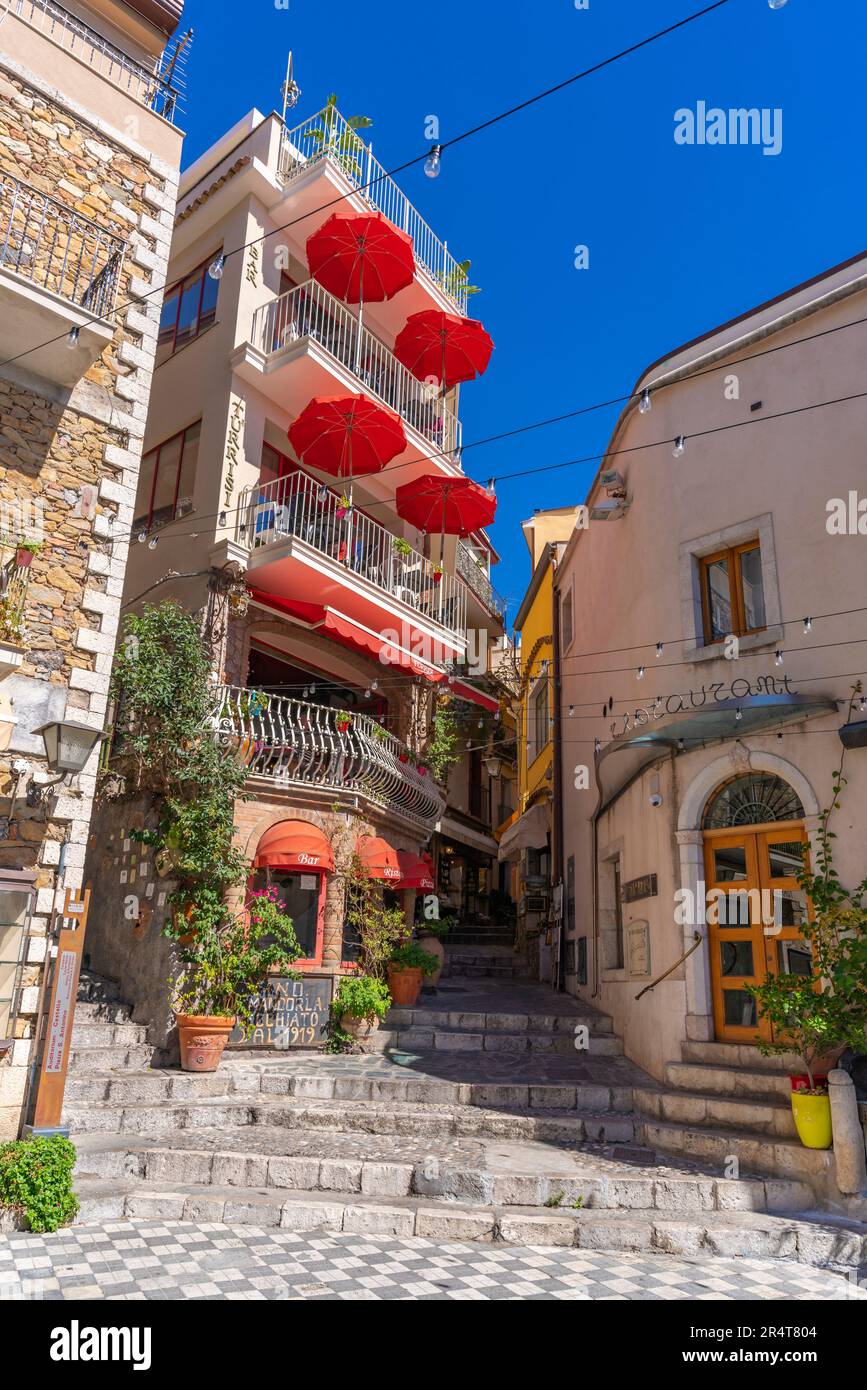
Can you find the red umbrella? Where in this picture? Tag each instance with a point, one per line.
(361, 256)
(443, 346)
(452, 506)
(346, 435)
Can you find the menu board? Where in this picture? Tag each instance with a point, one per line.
(288, 1013)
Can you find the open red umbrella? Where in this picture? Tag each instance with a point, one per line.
(361, 256)
(346, 436)
(446, 347)
(451, 506)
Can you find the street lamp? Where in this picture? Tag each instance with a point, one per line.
(493, 765)
(68, 744)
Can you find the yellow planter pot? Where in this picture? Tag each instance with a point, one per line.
(812, 1120)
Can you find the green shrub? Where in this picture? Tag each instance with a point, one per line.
(36, 1181)
(361, 996)
(413, 957)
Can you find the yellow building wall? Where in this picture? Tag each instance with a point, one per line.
(535, 651)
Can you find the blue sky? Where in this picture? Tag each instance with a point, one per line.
(680, 238)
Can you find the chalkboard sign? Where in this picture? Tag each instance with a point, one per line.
(288, 1013)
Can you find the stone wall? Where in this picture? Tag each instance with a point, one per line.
(69, 465)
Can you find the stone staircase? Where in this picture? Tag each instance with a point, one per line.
(483, 952)
(476, 1119)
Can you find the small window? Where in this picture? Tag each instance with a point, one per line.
(566, 620)
(166, 479)
(188, 309)
(732, 593)
(538, 730)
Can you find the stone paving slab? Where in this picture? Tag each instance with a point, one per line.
(537, 1069)
(504, 997)
(147, 1259)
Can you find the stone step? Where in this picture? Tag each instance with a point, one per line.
(165, 1115)
(733, 1082)
(477, 1022)
(813, 1241)
(755, 1153)
(88, 1034)
(96, 988)
(169, 1083)
(756, 1116)
(463, 1040)
(739, 1055)
(108, 1011)
(84, 1061)
(516, 1174)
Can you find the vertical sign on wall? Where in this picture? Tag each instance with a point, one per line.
(57, 1020)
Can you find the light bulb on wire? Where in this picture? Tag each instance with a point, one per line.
(644, 405)
(433, 163)
(639, 674)
(777, 4)
(778, 658)
(679, 447)
(659, 648)
(808, 624)
(215, 269)
(72, 337)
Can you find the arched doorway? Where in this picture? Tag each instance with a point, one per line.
(754, 839)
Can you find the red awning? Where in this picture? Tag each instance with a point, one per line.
(331, 623)
(294, 844)
(463, 691)
(416, 872)
(380, 859)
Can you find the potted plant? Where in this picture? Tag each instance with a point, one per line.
(344, 506)
(342, 720)
(406, 969)
(360, 1005)
(811, 1023)
(401, 547)
(24, 552)
(437, 573)
(430, 937)
(379, 732)
(224, 968)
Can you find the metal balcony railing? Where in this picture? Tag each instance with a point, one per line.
(476, 579)
(328, 135)
(309, 311)
(146, 85)
(294, 743)
(57, 248)
(297, 505)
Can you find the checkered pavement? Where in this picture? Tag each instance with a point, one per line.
(138, 1259)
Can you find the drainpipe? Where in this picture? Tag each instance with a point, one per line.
(557, 821)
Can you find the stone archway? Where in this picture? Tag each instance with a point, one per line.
(740, 759)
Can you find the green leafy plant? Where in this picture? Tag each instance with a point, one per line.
(11, 619)
(32, 547)
(226, 963)
(36, 1181)
(455, 282)
(378, 732)
(555, 1200)
(362, 996)
(411, 956)
(434, 927)
(401, 546)
(343, 143)
(442, 744)
(377, 929)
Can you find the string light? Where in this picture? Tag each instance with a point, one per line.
(660, 646)
(141, 537)
(862, 703)
(152, 543)
(433, 162)
(808, 624)
(739, 714)
(72, 337)
(323, 493)
(639, 674)
(597, 747)
(221, 519)
(679, 446)
(215, 269)
(778, 658)
(681, 745)
(571, 711)
(644, 404)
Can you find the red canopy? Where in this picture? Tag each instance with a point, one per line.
(361, 256)
(379, 859)
(294, 844)
(346, 436)
(443, 346)
(449, 506)
(416, 872)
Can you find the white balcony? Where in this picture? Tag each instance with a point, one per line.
(59, 275)
(301, 548)
(327, 143)
(306, 343)
(298, 745)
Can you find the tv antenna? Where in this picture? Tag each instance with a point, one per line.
(291, 90)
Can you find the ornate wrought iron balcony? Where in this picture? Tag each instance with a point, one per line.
(475, 578)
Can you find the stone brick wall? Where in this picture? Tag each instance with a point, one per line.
(74, 458)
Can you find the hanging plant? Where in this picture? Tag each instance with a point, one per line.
(401, 547)
(343, 720)
(437, 573)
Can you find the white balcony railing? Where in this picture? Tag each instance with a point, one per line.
(477, 580)
(309, 311)
(298, 744)
(328, 135)
(57, 248)
(298, 506)
(146, 85)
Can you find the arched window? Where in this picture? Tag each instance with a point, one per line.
(756, 799)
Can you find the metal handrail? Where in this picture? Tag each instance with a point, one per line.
(328, 135)
(140, 82)
(57, 248)
(698, 939)
(309, 311)
(478, 581)
(298, 506)
(294, 743)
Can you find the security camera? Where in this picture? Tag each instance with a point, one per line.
(655, 799)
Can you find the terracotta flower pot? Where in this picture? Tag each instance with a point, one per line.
(202, 1040)
(404, 985)
(24, 559)
(359, 1028)
(435, 947)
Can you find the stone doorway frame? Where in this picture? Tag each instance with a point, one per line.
(739, 761)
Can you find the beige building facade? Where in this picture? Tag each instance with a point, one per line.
(712, 639)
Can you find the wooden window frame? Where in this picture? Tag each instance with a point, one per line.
(731, 555)
(146, 518)
(177, 288)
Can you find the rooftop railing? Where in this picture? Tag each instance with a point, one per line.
(477, 580)
(146, 85)
(308, 310)
(297, 505)
(294, 743)
(328, 135)
(57, 248)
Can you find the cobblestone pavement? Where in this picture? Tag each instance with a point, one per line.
(143, 1260)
